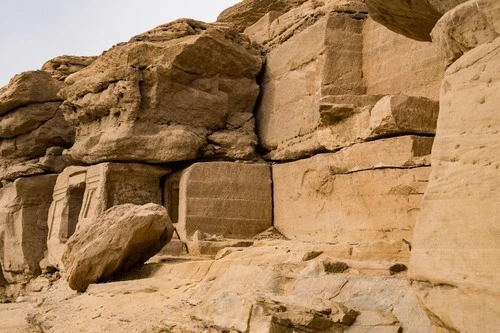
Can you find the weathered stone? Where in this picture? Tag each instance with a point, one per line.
(63, 66)
(457, 236)
(413, 18)
(403, 115)
(82, 194)
(158, 97)
(327, 65)
(394, 64)
(24, 206)
(233, 200)
(340, 198)
(26, 119)
(27, 88)
(126, 235)
(465, 27)
(247, 12)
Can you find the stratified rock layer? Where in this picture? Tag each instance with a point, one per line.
(126, 235)
(180, 91)
(31, 125)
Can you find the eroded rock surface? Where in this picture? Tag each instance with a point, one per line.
(414, 18)
(233, 200)
(247, 12)
(24, 206)
(31, 126)
(178, 92)
(457, 237)
(126, 235)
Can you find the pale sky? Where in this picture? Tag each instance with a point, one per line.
(34, 31)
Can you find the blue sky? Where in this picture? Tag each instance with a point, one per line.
(34, 31)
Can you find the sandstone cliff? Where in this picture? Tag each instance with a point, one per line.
(298, 166)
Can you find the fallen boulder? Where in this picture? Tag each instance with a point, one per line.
(124, 236)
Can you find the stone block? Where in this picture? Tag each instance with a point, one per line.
(227, 199)
(363, 193)
(24, 206)
(399, 114)
(124, 236)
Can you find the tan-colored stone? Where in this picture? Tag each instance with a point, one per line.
(158, 97)
(124, 236)
(82, 194)
(465, 27)
(394, 64)
(26, 119)
(24, 206)
(400, 114)
(227, 199)
(413, 18)
(327, 65)
(63, 66)
(247, 12)
(354, 196)
(27, 88)
(456, 243)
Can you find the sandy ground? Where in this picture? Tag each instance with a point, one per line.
(12, 318)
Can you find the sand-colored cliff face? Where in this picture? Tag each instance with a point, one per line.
(321, 172)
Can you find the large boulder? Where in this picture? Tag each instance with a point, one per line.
(412, 18)
(466, 27)
(180, 91)
(247, 12)
(124, 236)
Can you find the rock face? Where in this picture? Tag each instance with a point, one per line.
(318, 90)
(31, 123)
(247, 12)
(82, 194)
(233, 200)
(414, 18)
(181, 91)
(24, 206)
(126, 235)
(353, 196)
(457, 237)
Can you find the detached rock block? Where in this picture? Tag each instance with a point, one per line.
(233, 200)
(24, 206)
(124, 236)
(465, 27)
